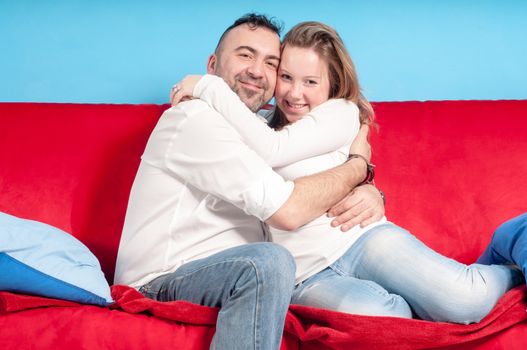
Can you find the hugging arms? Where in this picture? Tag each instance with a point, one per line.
(371, 270)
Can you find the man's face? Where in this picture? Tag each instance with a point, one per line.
(248, 60)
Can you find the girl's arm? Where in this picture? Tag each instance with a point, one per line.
(326, 128)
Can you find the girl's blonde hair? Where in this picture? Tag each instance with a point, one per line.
(343, 80)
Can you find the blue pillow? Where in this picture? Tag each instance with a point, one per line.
(40, 259)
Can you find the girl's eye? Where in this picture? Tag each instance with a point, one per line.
(312, 82)
(285, 77)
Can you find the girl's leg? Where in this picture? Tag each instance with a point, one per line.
(330, 290)
(436, 287)
(508, 244)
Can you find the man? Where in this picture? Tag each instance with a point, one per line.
(193, 225)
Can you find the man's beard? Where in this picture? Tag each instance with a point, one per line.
(255, 100)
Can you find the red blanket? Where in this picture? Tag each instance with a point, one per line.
(316, 328)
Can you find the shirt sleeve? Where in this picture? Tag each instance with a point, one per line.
(204, 151)
(326, 128)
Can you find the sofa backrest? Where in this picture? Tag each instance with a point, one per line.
(451, 171)
(72, 166)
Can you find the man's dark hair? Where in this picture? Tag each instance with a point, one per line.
(254, 21)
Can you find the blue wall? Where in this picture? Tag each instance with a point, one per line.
(133, 51)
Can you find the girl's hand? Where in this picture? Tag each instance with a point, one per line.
(360, 144)
(183, 90)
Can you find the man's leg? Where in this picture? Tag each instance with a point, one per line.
(252, 284)
(508, 244)
(436, 287)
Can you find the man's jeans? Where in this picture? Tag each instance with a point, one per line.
(389, 272)
(252, 284)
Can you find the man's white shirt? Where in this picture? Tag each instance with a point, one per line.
(199, 190)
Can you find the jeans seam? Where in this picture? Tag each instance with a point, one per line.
(215, 264)
(257, 307)
(339, 271)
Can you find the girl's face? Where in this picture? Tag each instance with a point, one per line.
(303, 82)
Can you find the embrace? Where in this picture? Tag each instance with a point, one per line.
(231, 211)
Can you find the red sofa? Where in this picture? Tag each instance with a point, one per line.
(451, 170)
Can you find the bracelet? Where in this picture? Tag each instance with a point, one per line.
(370, 173)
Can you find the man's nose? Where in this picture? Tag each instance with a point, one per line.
(256, 69)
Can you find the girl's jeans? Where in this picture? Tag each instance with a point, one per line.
(390, 272)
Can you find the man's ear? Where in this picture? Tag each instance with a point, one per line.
(211, 64)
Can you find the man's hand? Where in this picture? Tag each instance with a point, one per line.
(364, 206)
(361, 145)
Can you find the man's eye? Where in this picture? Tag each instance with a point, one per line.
(272, 65)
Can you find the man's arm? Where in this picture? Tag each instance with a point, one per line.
(203, 150)
(313, 195)
(316, 194)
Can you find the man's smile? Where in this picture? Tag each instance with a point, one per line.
(251, 86)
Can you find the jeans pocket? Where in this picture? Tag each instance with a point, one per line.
(151, 289)
(145, 290)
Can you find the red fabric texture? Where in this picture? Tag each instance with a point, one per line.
(324, 329)
(72, 166)
(131, 301)
(126, 299)
(12, 302)
(452, 171)
(315, 328)
(92, 327)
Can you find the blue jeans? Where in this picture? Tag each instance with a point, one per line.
(252, 284)
(508, 244)
(389, 272)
